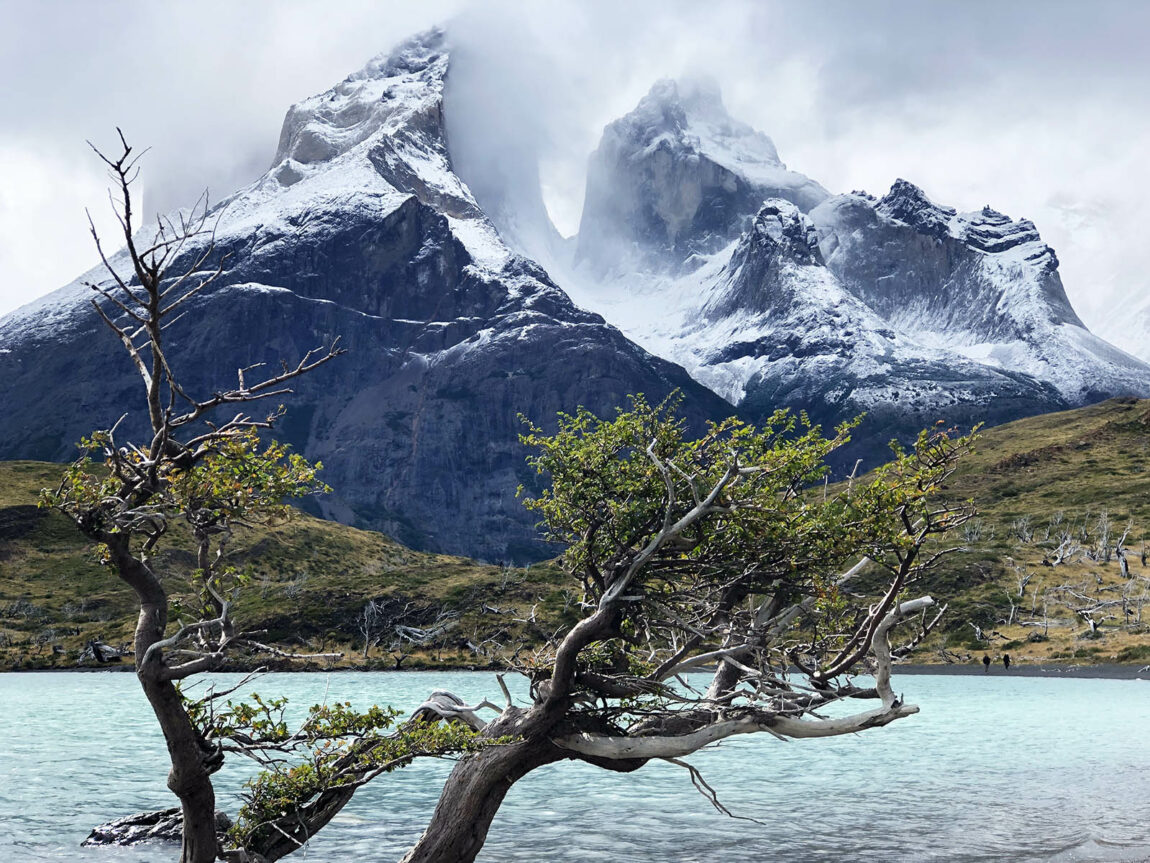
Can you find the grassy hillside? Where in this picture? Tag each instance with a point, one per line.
(1042, 484)
(310, 582)
(1044, 487)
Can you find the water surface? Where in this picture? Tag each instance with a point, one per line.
(993, 769)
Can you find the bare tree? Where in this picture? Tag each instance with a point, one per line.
(212, 473)
(1102, 530)
(1069, 548)
(1023, 579)
(1136, 594)
(1022, 529)
(1120, 551)
(1084, 601)
(371, 624)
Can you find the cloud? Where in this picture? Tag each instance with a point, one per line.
(1038, 108)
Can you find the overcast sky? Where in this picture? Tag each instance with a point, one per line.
(1041, 109)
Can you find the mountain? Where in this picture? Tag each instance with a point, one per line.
(980, 284)
(702, 264)
(704, 248)
(678, 177)
(776, 327)
(361, 229)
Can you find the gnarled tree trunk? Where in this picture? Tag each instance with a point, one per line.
(190, 775)
(477, 786)
(192, 765)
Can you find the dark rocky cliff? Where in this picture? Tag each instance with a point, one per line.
(362, 232)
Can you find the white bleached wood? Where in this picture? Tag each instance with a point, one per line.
(676, 746)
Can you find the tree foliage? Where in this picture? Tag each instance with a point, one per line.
(727, 588)
(692, 528)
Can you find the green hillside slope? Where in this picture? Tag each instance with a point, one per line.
(1055, 495)
(310, 582)
(1040, 575)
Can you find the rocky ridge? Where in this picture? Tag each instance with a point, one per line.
(726, 273)
(678, 177)
(898, 307)
(361, 229)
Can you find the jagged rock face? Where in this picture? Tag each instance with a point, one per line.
(678, 177)
(899, 307)
(361, 230)
(911, 259)
(981, 283)
(779, 242)
(779, 324)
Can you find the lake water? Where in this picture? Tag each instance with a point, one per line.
(994, 768)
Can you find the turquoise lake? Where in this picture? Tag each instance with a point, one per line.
(994, 768)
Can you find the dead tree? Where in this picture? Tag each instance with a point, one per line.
(1086, 604)
(1120, 551)
(1135, 595)
(1022, 529)
(371, 624)
(1102, 548)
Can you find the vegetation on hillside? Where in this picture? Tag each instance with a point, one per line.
(1056, 564)
(311, 581)
(1036, 482)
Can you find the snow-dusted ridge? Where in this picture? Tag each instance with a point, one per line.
(359, 150)
(899, 284)
(361, 229)
(979, 284)
(676, 177)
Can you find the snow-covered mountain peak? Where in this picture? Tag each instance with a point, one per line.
(908, 203)
(689, 113)
(991, 231)
(678, 177)
(775, 268)
(702, 98)
(370, 143)
(781, 230)
(328, 124)
(986, 230)
(978, 283)
(371, 150)
(378, 137)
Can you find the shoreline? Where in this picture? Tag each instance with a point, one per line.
(1102, 671)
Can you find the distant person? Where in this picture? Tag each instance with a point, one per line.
(1006, 661)
(985, 663)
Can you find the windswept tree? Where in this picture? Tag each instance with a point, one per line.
(197, 466)
(205, 468)
(726, 590)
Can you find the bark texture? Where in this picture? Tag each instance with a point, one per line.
(473, 794)
(191, 764)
